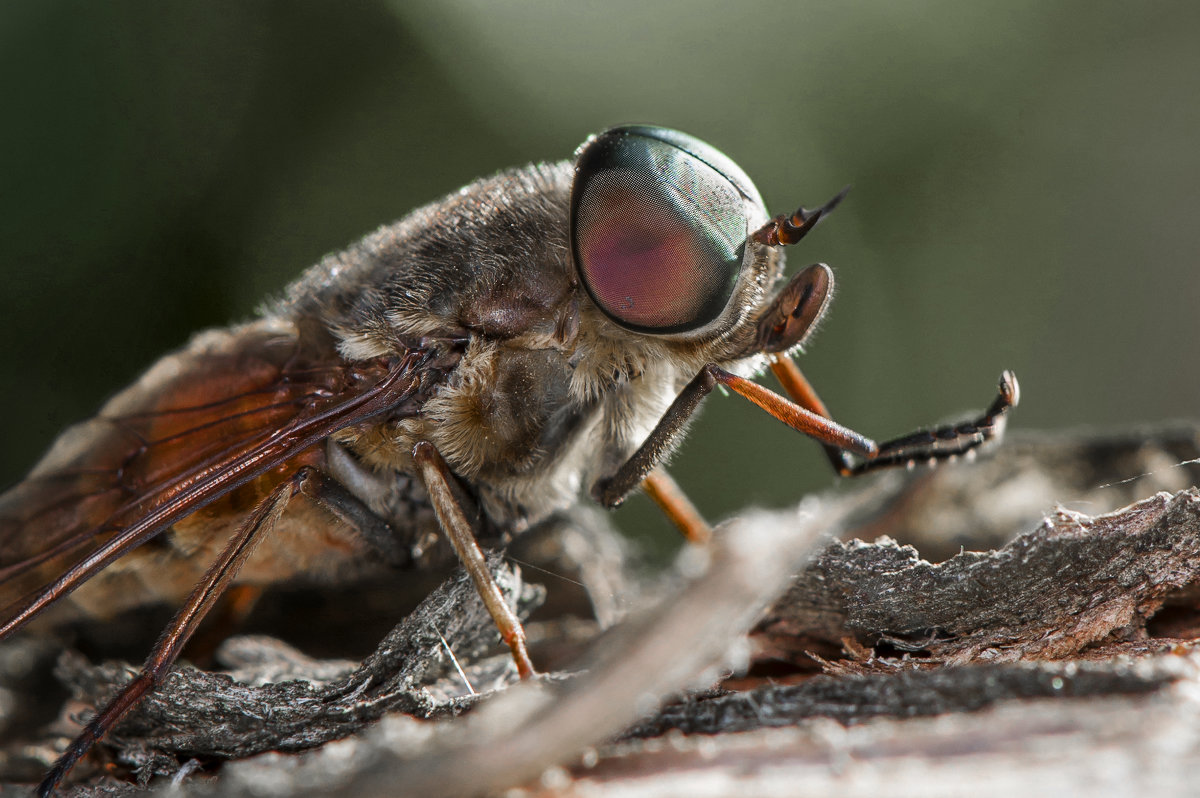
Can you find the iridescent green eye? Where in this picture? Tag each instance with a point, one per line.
(658, 227)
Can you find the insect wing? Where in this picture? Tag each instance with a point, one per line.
(231, 408)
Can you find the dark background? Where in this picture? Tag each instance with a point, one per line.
(1026, 182)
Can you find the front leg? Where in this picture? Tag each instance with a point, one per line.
(949, 441)
(937, 444)
(611, 492)
(941, 443)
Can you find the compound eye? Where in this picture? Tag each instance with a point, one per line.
(658, 227)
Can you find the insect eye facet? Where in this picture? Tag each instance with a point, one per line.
(658, 227)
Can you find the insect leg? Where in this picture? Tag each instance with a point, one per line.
(951, 440)
(438, 482)
(613, 490)
(940, 443)
(936, 444)
(802, 393)
(675, 504)
(338, 499)
(219, 576)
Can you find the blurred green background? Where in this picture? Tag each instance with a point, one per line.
(1026, 184)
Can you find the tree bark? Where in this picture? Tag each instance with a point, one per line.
(926, 634)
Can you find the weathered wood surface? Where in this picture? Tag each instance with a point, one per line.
(1073, 582)
(1052, 656)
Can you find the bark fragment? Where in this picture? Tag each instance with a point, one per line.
(1072, 582)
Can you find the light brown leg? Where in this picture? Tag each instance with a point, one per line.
(801, 392)
(675, 504)
(437, 477)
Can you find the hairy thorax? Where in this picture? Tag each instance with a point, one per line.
(548, 394)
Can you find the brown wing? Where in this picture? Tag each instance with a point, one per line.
(232, 407)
